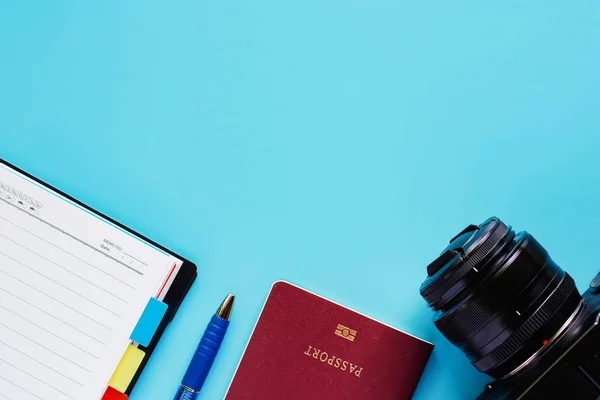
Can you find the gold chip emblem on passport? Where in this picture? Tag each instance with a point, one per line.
(345, 332)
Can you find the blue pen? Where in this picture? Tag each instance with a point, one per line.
(206, 352)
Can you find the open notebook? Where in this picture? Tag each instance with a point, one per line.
(73, 285)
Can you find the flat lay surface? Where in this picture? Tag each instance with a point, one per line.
(336, 145)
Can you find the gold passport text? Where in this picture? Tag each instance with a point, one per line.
(333, 361)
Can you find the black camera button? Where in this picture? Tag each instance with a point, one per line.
(595, 284)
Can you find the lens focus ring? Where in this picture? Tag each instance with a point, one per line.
(564, 291)
(507, 281)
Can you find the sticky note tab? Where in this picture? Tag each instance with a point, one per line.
(113, 394)
(127, 368)
(149, 321)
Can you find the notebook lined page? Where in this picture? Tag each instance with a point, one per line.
(72, 287)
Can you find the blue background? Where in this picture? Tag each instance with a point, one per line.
(334, 144)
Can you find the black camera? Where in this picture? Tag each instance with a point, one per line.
(517, 316)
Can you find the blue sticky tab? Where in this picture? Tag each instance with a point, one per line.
(149, 321)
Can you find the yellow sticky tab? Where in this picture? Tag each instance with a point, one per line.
(127, 368)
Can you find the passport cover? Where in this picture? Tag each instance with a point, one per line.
(307, 347)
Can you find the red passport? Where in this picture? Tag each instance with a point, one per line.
(307, 347)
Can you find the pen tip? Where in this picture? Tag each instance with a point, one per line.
(224, 310)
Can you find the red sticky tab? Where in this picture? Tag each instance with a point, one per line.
(113, 394)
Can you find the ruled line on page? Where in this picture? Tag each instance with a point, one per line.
(50, 332)
(53, 316)
(22, 388)
(41, 363)
(69, 253)
(66, 269)
(58, 301)
(38, 379)
(58, 283)
(44, 347)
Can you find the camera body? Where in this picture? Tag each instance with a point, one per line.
(518, 317)
(566, 368)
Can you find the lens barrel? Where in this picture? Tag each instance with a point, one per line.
(498, 296)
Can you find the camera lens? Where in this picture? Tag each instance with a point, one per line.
(498, 296)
